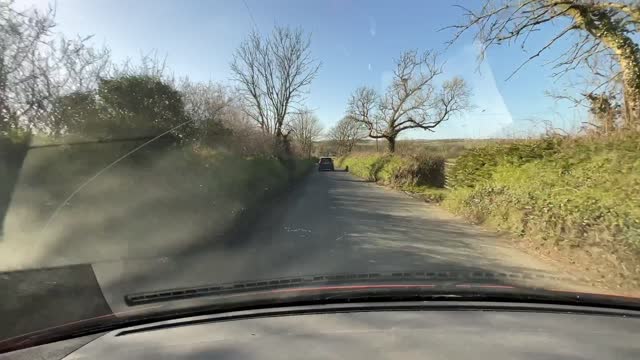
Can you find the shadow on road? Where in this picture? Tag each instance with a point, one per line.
(167, 237)
(331, 223)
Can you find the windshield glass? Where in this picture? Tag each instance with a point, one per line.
(153, 145)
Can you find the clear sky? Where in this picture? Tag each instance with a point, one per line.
(355, 40)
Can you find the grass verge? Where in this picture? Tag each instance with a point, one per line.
(579, 197)
(574, 200)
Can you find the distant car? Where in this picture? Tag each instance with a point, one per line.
(326, 164)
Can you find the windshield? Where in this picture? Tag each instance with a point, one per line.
(148, 146)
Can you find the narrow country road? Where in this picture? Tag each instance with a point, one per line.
(330, 223)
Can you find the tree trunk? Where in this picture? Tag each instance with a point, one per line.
(626, 51)
(391, 144)
(631, 80)
(628, 55)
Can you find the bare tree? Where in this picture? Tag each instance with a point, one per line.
(598, 28)
(76, 67)
(21, 35)
(208, 106)
(204, 101)
(412, 100)
(346, 134)
(274, 73)
(37, 67)
(305, 130)
(151, 65)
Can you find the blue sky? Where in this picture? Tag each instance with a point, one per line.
(356, 41)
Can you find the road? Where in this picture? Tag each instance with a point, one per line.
(332, 222)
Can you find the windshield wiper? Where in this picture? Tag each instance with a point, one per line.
(480, 283)
(459, 277)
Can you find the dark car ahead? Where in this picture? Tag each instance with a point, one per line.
(326, 164)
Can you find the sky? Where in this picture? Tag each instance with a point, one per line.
(356, 42)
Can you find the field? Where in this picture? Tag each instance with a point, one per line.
(448, 148)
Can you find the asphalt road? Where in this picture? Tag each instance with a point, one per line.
(330, 223)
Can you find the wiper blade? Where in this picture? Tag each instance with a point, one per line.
(472, 285)
(475, 281)
(322, 280)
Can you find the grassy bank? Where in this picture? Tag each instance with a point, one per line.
(577, 200)
(157, 202)
(422, 175)
(581, 196)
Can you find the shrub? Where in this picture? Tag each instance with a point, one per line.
(478, 164)
(421, 170)
(416, 170)
(571, 192)
(195, 194)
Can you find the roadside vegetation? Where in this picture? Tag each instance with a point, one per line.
(574, 197)
(422, 174)
(73, 123)
(449, 149)
(159, 201)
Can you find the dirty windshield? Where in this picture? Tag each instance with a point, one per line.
(152, 145)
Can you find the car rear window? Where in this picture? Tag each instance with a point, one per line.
(326, 161)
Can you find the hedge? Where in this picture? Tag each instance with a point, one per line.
(415, 170)
(581, 192)
(421, 175)
(149, 204)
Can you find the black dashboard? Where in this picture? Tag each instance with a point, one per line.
(381, 331)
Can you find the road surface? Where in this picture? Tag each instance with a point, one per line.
(332, 222)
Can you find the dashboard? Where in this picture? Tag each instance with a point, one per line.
(391, 331)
